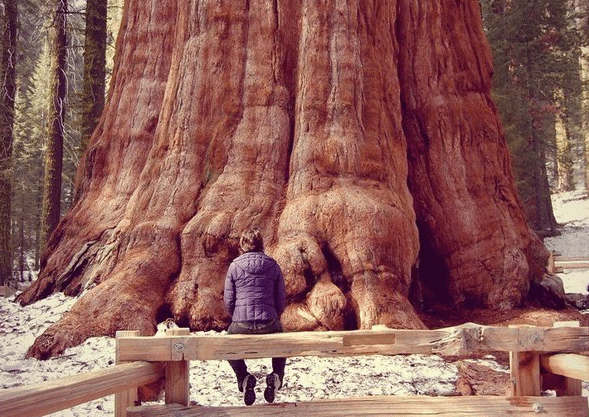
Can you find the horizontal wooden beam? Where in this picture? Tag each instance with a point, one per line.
(560, 258)
(389, 406)
(457, 341)
(571, 264)
(48, 397)
(567, 364)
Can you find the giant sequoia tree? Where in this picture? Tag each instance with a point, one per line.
(357, 134)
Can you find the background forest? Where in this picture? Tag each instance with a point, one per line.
(56, 57)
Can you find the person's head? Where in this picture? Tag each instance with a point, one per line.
(251, 241)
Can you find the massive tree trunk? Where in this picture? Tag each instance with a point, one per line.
(347, 130)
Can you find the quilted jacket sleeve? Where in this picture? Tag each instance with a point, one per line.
(229, 293)
(279, 292)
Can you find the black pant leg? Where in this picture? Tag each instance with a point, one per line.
(238, 365)
(278, 365)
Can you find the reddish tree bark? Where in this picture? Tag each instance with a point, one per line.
(346, 130)
(460, 173)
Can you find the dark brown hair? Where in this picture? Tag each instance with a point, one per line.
(251, 241)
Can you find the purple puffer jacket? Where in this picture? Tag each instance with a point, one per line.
(254, 288)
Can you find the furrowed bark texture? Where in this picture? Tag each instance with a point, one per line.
(460, 174)
(346, 130)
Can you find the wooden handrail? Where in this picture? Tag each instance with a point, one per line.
(460, 340)
(567, 364)
(560, 258)
(417, 406)
(63, 393)
(558, 262)
(140, 358)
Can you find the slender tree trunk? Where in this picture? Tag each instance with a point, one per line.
(54, 145)
(564, 157)
(7, 97)
(21, 259)
(307, 119)
(94, 68)
(580, 9)
(584, 75)
(584, 62)
(540, 213)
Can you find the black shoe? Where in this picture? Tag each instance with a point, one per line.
(273, 383)
(249, 395)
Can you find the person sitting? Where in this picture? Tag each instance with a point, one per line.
(255, 297)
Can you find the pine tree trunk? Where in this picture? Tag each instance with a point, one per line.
(54, 145)
(307, 119)
(564, 157)
(7, 94)
(581, 10)
(94, 68)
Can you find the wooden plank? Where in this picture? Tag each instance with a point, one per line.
(124, 398)
(61, 394)
(570, 264)
(566, 337)
(571, 258)
(459, 340)
(390, 406)
(558, 263)
(157, 348)
(574, 368)
(525, 374)
(177, 384)
(524, 363)
(368, 339)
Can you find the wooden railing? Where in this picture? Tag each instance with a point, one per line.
(558, 263)
(533, 350)
(61, 394)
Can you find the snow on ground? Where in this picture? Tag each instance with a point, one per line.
(571, 210)
(213, 383)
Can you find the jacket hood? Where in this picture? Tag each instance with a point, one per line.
(254, 262)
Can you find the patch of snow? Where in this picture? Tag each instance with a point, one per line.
(571, 210)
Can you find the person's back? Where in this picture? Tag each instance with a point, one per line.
(255, 298)
(252, 294)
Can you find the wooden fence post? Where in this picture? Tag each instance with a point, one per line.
(525, 372)
(563, 385)
(126, 398)
(177, 385)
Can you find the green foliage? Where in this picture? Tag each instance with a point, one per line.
(535, 49)
(31, 119)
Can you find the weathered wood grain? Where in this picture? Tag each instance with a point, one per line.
(460, 340)
(390, 406)
(51, 396)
